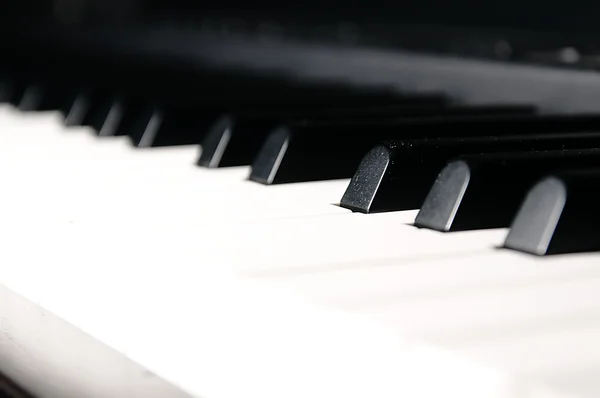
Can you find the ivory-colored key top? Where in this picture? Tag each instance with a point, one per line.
(535, 319)
(42, 134)
(544, 347)
(116, 183)
(96, 195)
(222, 326)
(343, 240)
(560, 353)
(371, 285)
(454, 316)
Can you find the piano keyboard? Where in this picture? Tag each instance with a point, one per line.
(300, 270)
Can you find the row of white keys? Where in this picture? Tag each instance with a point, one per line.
(88, 171)
(176, 281)
(206, 203)
(156, 193)
(187, 277)
(200, 326)
(271, 244)
(533, 318)
(307, 244)
(204, 312)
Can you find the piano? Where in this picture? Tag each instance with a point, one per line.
(321, 199)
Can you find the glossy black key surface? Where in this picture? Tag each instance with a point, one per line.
(39, 97)
(236, 140)
(75, 108)
(232, 143)
(252, 103)
(6, 89)
(559, 215)
(397, 175)
(155, 126)
(32, 98)
(391, 177)
(140, 123)
(17, 88)
(388, 179)
(105, 114)
(236, 137)
(327, 150)
(485, 191)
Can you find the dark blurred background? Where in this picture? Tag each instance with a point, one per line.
(574, 16)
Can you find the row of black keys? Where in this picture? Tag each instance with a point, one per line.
(490, 156)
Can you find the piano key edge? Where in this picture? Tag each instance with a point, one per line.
(51, 358)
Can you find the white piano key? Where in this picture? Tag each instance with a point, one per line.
(571, 339)
(580, 381)
(534, 318)
(365, 286)
(168, 310)
(304, 244)
(526, 315)
(463, 314)
(564, 356)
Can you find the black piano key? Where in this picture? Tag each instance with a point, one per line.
(559, 215)
(136, 118)
(31, 98)
(34, 97)
(485, 191)
(397, 175)
(266, 165)
(389, 179)
(236, 140)
(75, 108)
(18, 91)
(7, 88)
(142, 125)
(18, 88)
(229, 143)
(105, 115)
(154, 126)
(40, 97)
(185, 126)
(310, 152)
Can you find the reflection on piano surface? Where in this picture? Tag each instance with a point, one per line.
(225, 200)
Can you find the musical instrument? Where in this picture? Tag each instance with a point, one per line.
(218, 208)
